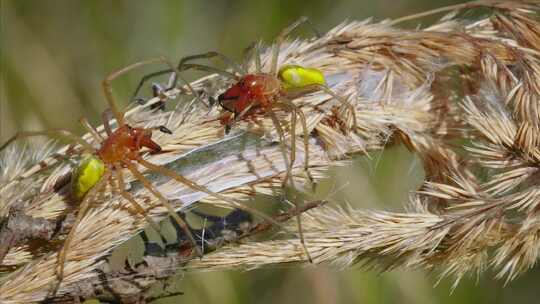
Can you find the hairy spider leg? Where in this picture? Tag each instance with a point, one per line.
(107, 88)
(84, 206)
(255, 48)
(296, 111)
(252, 52)
(106, 117)
(59, 133)
(282, 144)
(121, 188)
(135, 97)
(90, 129)
(289, 165)
(289, 177)
(238, 69)
(313, 87)
(177, 76)
(277, 45)
(183, 180)
(183, 65)
(148, 185)
(237, 117)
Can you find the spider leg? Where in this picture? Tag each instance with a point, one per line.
(238, 117)
(288, 105)
(120, 189)
(107, 89)
(344, 102)
(283, 145)
(114, 186)
(89, 128)
(194, 186)
(84, 206)
(148, 185)
(64, 134)
(183, 65)
(178, 75)
(174, 77)
(292, 132)
(254, 51)
(236, 67)
(277, 46)
(206, 68)
(126, 195)
(106, 117)
(258, 65)
(159, 92)
(291, 164)
(146, 78)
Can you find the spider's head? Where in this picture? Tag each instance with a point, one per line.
(143, 137)
(228, 99)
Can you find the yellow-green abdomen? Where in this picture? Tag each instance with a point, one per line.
(295, 76)
(86, 176)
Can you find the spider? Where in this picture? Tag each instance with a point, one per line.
(121, 149)
(260, 93)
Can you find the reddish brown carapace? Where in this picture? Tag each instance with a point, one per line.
(256, 90)
(125, 143)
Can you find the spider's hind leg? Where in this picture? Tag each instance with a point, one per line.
(297, 112)
(107, 88)
(148, 185)
(281, 37)
(289, 176)
(55, 133)
(84, 206)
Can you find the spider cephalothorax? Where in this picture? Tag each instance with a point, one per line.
(126, 142)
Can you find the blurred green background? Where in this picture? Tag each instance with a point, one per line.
(54, 55)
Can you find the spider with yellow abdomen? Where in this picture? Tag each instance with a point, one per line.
(260, 93)
(121, 149)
